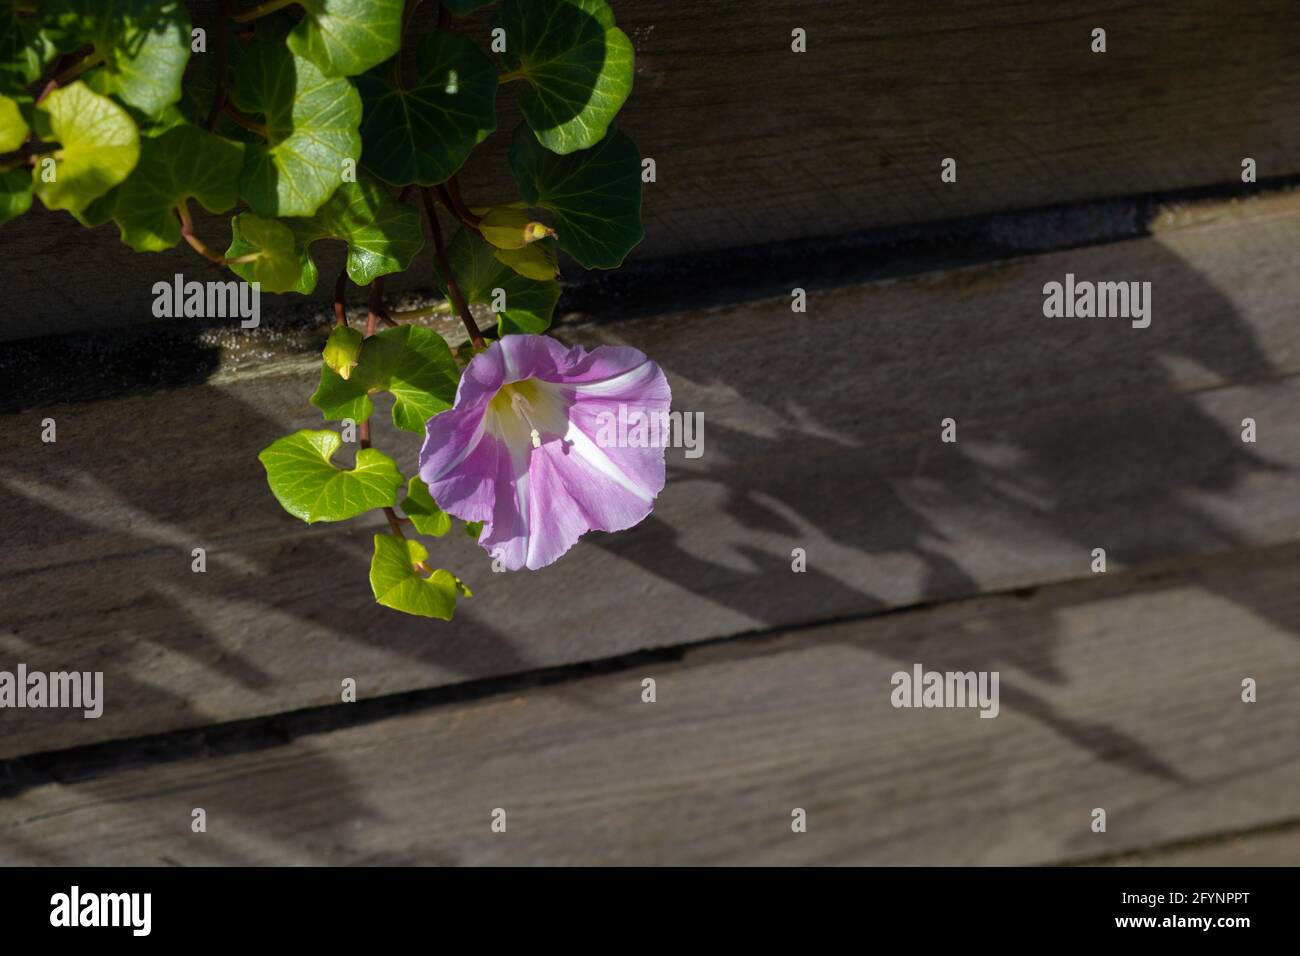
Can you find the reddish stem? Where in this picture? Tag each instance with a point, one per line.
(444, 266)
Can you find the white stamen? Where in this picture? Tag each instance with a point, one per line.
(537, 438)
(522, 408)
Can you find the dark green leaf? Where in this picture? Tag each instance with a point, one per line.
(396, 583)
(311, 488)
(311, 126)
(383, 235)
(578, 64)
(423, 135)
(143, 44)
(412, 363)
(529, 304)
(25, 50)
(595, 195)
(463, 8)
(183, 163)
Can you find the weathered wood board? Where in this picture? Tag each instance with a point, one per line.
(1121, 692)
(1073, 434)
(1272, 846)
(755, 144)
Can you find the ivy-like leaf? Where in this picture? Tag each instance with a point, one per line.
(383, 235)
(412, 363)
(578, 64)
(595, 195)
(184, 163)
(345, 37)
(282, 264)
(311, 488)
(13, 128)
(529, 304)
(398, 585)
(25, 51)
(144, 45)
(98, 147)
(423, 135)
(423, 511)
(311, 130)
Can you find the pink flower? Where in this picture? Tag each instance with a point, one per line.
(524, 451)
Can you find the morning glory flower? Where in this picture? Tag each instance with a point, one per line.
(524, 449)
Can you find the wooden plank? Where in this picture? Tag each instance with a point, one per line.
(1120, 692)
(1274, 846)
(757, 144)
(1073, 434)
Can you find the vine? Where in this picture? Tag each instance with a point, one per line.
(349, 121)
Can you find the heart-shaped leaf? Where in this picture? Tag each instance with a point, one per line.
(98, 147)
(184, 163)
(529, 304)
(311, 488)
(423, 511)
(423, 135)
(412, 363)
(15, 193)
(578, 64)
(595, 195)
(311, 130)
(398, 585)
(25, 50)
(383, 235)
(346, 37)
(143, 46)
(281, 264)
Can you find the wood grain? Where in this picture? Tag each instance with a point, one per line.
(1120, 692)
(756, 144)
(1073, 435)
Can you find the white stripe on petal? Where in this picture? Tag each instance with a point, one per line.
(595, 456)
(615, 384)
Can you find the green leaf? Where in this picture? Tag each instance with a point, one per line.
(529, 304)
(311, 127)
(15, 193)
(510, 226)
(412, 363)
(184, 163)
(535, 261)
(423, 135)
(13, 128)
(396, 583)
(474, 529)
(144, 45)
(345, 37)
(342, 350)
(463, 8)
(383, 235)
(98, 147)
(578, 64)
(282, 263)
(595, 195)
(423, 511)
(311, 488)
(25, 50)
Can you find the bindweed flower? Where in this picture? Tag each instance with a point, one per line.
(519, 450)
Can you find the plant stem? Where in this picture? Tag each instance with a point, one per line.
(199, 246)
(91, 59)
(222, 92)
(444, 266)
(410, 315)
(340, 298)
(247, 122)
(261, 10)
